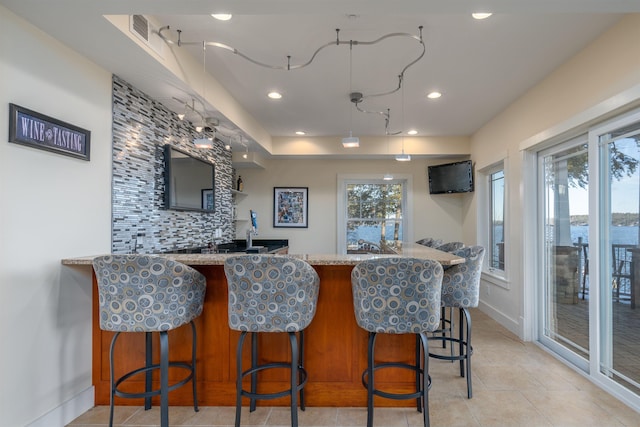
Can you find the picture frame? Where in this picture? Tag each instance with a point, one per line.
(207, 199)
(290, 207)
(32, 129)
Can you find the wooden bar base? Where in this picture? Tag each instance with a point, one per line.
(335, 351)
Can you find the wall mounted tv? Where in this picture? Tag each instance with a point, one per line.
(451, 178)
(189, 182)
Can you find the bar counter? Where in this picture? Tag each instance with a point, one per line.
(335, 347)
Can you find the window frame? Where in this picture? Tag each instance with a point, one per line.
(342, 215)
(485, 215)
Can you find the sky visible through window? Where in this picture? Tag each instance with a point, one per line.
(625, 192)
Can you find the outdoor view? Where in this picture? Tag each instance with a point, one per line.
(569, 255)
(374, 217)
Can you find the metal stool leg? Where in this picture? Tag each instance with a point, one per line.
(193, 366)
(418, 374)
(164, 379)
(294, 378)
(370, 379)
(301, 366)
(425, 377)
(148, 377)
(254, 364)
(112, 378)
(469, 350)
(243, 335)
(461, 345)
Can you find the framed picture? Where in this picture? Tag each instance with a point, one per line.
(207, 199)
(27, 127)
(290, 207)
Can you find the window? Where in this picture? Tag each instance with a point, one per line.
(372, 215)
(496, 225)
(491, 217)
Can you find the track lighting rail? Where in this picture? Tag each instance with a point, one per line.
(162, 32)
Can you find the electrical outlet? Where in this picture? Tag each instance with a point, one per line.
(488, 290)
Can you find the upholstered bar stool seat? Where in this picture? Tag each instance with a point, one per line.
(397, 296)
(461, 290)
(450, 246)
(446, 323)
(430, 242)
(141, 293)
(269, 294)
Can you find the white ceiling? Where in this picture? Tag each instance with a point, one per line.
(479, 66)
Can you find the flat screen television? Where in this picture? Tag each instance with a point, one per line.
(451, 178)
(189, 181)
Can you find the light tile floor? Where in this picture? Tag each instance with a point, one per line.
(514, 384)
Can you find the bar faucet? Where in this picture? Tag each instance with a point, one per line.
(250, 233)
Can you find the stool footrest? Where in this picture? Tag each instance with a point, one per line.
(155, 392)
(301, 372)
(395, 396)
(468, 349)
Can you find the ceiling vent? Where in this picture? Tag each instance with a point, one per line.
(145, 31)
(140, 27)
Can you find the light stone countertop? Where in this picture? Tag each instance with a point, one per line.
(408, 250)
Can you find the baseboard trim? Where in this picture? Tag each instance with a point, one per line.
(67, 411)
(504, 320)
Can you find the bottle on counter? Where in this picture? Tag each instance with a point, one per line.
(240, 184)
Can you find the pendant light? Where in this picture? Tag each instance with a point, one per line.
(351, 141)
(203, 142)
(403, 157)
(387, 176)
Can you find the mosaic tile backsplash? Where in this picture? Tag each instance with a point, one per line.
(140, 222)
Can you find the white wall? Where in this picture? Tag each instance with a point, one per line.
(438, 215)
(607, 67)
(53, 207)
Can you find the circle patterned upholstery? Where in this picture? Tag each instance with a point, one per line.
(461, 282)
(430, 242)
(450, 246)
(141, 293)
(270, 293)
(397, 295)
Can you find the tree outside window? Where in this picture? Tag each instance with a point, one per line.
(374, 216)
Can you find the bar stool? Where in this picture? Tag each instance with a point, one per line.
(450, 246)
(398, 296)
(430, 242)
(141, 293)
(270, 293)
(447, 323)
(461, 289)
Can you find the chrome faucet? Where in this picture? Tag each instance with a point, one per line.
(250, 233)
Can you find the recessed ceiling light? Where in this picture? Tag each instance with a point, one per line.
(481, 15)
(222, 16)
(274, 95)
(434, 95)
(299, 132)
(412, 132)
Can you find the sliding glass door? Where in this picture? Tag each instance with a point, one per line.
(565, 249)
(619, 305)
(589, 254)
